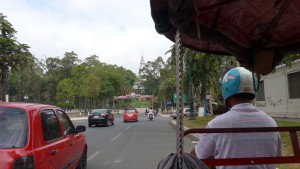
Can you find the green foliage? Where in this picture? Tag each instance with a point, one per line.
(206, 71)
(288, 59)
(28, 81)
(167, 88)
(136, 103)
(152, 75)
(65, 90)
(14, 55)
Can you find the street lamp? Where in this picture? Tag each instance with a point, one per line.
(192, 114)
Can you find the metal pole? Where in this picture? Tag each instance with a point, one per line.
(205, 108)
(179, 100)
(192, 114)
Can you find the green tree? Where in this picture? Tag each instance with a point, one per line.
(13, 54)
(52, 77)
(65, 93)
(78, 77)
(206, 71)
(288, 59)
(151, 74)
(92, 61)
(28, 81)
(69, 60)
(91, 89)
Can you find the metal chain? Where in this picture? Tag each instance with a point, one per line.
(179, 99)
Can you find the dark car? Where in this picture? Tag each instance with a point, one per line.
(219, 109)
(101, 116)
(39, 136)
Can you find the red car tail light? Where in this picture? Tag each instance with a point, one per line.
(26, 162)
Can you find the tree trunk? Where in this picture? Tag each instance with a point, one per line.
(4, 83)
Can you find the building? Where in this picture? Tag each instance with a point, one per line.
(142, 65)
(138, 87)
(279, 92)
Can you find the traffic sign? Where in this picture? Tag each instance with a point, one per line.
(175, 99)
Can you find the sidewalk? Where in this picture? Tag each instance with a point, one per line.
(164, 115)
(78, 118)
(195, 136)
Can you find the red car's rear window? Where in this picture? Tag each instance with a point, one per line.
(13, 127)
(130, 111)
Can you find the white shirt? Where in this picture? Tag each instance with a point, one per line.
(240, 145)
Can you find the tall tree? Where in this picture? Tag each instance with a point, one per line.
(69, 60)
(78, 77)
(65, 94)
(151, 73)
(28, 81)
(13, 54)
(206, 70)
(52, 77)
(92, 61)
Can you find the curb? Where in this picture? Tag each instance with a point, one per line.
(78, 118)
(195, 136)
(164, 115)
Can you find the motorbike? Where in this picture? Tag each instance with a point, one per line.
(150, 116)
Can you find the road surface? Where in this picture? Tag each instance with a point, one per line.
(131, 145)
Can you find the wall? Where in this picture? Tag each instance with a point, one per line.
(277, 102)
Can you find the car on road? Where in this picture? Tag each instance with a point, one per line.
(186, 111)
(36, 136)
(219, 109)
(130, 114)
(101, 116)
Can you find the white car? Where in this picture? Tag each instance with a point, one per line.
(186, 111)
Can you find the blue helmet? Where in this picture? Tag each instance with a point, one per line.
(238, 80)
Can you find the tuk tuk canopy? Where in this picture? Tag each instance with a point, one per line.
(258, 33)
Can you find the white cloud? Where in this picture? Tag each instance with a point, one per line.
(117, 31)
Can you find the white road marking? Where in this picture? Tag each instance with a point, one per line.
(117, 160)
(127, 128)
(93, 156)
(115, 137)
(195, 142)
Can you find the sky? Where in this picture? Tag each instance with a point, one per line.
(118, 31)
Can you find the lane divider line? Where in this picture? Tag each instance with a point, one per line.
(115, 137)
(127, 128)
(93, 156)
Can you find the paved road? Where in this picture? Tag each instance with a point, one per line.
(132, 145)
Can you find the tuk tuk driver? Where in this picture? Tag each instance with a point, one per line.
(239, 90)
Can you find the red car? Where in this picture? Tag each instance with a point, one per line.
(37, 136)
(130, 114)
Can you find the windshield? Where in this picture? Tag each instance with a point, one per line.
(98, 111)
(130, 111)
(13, 128)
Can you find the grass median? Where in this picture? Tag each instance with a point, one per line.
(201, 122)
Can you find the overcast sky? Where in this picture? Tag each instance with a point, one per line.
(118, 31)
